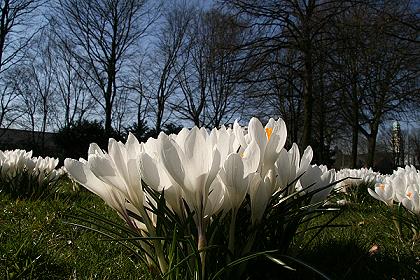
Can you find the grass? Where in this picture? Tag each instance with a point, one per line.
(369, 248)
(37, 241)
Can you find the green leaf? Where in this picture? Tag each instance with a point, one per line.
(240, 261)
(307, 266)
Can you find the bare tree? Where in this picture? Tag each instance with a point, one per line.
(193, 75)
(288, 24)
(105, 33)
(8, 109)
(122, 111)
(363, 48)
(224, 67)
(38, 92)
(413, 147)
(140, 102)
(28, 100)
(211, 70)
(15, 17)
(73, 97)
(164, 63)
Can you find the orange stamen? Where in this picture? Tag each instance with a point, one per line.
(268, 131)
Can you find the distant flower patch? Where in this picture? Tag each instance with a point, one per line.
(24, 176)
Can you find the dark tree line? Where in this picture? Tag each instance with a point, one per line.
(336, 71)
(334, 68)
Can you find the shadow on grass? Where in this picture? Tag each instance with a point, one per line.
(30, 261)
(340, 259)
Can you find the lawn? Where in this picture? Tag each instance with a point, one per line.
(38, 240)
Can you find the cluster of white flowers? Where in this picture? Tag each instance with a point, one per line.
(211, 172)
(354, 177)
(20, 162)
(403, 187)
(202, 173)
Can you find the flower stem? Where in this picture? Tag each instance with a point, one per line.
(250, 243)
(396, 221)
(156, 243)
(202, 243)
(231, 245)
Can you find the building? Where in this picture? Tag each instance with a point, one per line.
(42, 143)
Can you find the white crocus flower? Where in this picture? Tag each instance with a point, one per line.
(318, 181)
(192, 163)
(270, 140)
(115, 177)
(45, 164)
(260, 191)
(354, 177)
(81, 173)
(399, 186)
(217, 201)
(236, 179)
(300, 165)
(118, 172)
(383, 192)
(16, 163)
(290, 166)
(119, 168)
(411, 200)
(155, 176)
(43, 169)
(276, 138)
(225, 141)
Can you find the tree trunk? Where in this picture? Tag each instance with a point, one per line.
(109, 96)
(354, 144)
(3, 29)
(355, 132)
(159, 117)
(371, 150)
(322, 119)
(372, 144)
(355, 120)
(197, 120)
(108, 117)
(307, 101)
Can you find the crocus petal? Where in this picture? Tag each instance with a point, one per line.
(323, 187)
(283, 169)
(181, 136)
(217, 199)
(239, 133)
(305, 161)
(260, 193)
(294, 157)
(119, 157)
(104, 170)
(149, 171)
(280, 129)
(232, 175)
(95, 149)
(82, 174)
(171, 159)
(214, 168)
(257, 133)
(251, 157)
